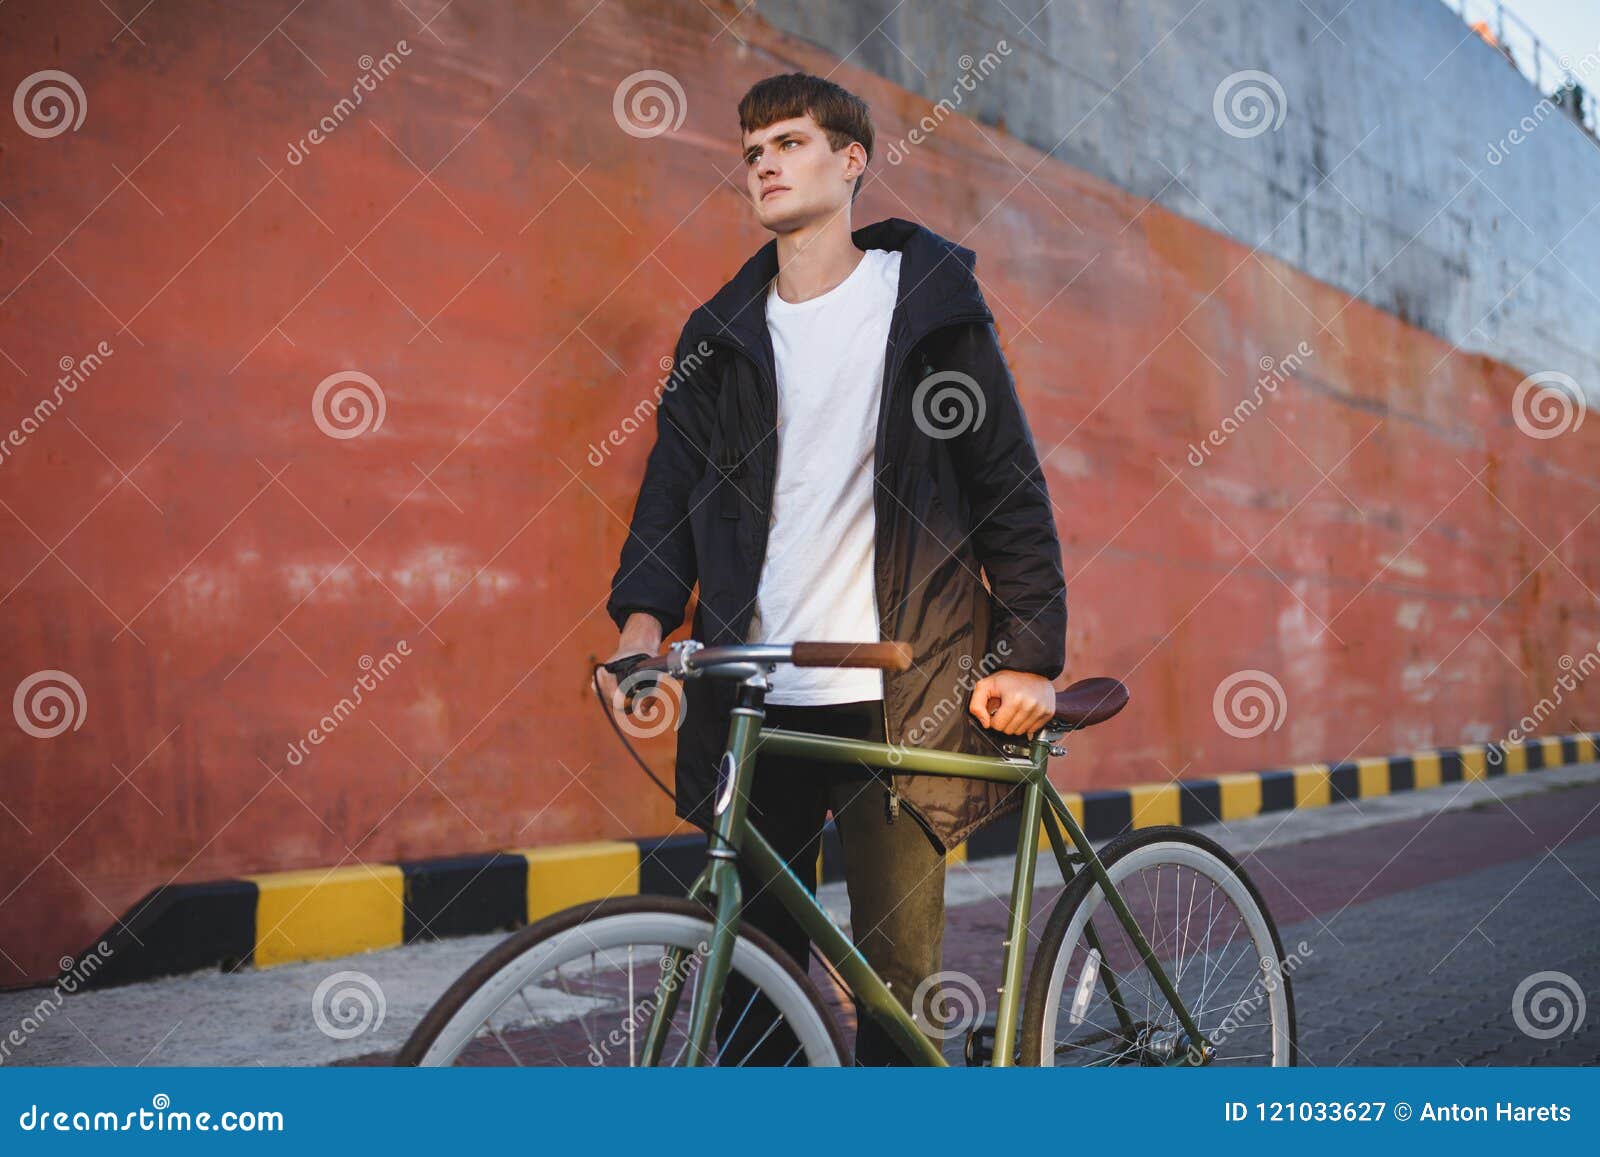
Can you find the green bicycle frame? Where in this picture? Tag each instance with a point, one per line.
(734, 836)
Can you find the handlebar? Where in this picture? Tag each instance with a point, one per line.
(689, 658)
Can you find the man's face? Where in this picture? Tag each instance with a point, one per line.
(793, 177)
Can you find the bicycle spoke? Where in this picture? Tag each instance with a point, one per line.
(1211, 923)
(1235, 964)
(688, 1037)
(509, 1050)
(561, 980)
(751, 1051)
(744, 1012)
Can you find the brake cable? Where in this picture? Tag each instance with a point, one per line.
(605, 709)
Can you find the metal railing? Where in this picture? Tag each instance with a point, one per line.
(1572, 84)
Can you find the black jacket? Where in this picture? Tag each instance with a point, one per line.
(959, 491)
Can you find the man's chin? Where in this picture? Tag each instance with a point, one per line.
(776, 219)
(790, 220)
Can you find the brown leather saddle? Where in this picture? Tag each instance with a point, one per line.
(1079, 705)
(1087, 702)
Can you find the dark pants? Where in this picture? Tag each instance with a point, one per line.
(894, 872)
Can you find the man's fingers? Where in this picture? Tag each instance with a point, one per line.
(1018, 714)
(612, 691)
(999, 709)
(979, 704)
(1011, 705)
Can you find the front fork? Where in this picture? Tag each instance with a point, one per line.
(1058, 810)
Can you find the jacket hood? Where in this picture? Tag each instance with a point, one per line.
(936, 282)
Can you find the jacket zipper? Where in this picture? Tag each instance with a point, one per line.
(892, 373)
(901, 357)
(892, 800)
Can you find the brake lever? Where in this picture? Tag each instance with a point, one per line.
(621, 667)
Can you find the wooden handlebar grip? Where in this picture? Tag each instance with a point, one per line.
(884, 656)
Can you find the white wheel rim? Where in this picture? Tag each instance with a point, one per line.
(615, 932)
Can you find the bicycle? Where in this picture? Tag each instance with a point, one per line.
(548, 993)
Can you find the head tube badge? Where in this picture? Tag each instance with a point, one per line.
(725, 770)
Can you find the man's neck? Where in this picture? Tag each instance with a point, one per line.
(815, 258)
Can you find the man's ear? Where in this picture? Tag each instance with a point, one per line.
(856, 150)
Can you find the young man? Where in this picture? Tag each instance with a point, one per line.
(844, 457)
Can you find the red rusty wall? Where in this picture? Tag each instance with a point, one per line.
(482, 239)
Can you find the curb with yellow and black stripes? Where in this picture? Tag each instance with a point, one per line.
(319, 914)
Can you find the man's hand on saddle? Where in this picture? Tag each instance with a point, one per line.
(1026, 702)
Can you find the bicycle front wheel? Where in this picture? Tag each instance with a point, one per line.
(581, 987)
(1091, 999)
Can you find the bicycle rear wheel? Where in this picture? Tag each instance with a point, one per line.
(580, 988)
(1092, 1001)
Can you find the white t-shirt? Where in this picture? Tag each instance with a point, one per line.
(817, 581)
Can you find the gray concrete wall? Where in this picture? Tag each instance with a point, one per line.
(1378, 180)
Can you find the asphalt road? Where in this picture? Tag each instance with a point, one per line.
(1420, 931)
(1425, 912)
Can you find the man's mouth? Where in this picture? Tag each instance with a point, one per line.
(775, 189)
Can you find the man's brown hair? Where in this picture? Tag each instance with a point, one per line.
(842, 115)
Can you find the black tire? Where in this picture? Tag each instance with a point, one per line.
(506, 953)
(1041, 981)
